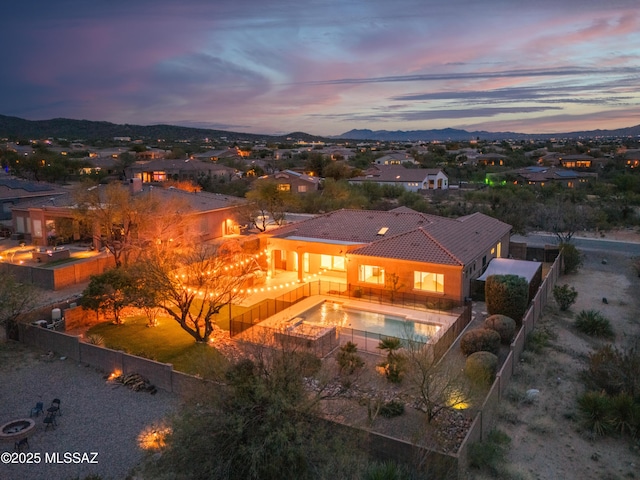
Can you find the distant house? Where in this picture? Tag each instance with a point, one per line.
(412, 252)
(632, 158)
(395, 158)
(542, 176)
(290, 181)
(576, 161)
(491, 159)
(411, 179)
(163, 170)
(215, 155)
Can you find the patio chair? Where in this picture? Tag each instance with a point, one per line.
(50, 421)
(37, 410)
(55, 407)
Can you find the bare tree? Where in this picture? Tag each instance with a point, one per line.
(127, 222)
(438, 385)
(15, 299)
(196, 283)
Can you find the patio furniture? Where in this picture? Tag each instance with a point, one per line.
(55, 407)
(50, 421)
(37, 410)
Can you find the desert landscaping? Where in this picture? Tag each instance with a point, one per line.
(547, 440)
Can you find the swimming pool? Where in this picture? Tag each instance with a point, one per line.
(334, 314)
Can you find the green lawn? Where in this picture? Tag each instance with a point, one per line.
(167, 343)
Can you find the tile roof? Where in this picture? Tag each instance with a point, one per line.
(410, 236)
(396, 173)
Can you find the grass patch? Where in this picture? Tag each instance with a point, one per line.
(167, 343)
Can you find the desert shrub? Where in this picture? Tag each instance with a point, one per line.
(538, 340)
(505, 326)
(571, 258)
(594, 409)
(491, 453)
(481, 367)
(593, 323)
(625, 414)
(507, 295)
(615, 371)
(348, 359)
(565, 296)
(480, 340)
(95, 339)
(391, 409)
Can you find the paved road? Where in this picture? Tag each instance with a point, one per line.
(590, 244)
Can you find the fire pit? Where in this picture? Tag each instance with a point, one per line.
(16, 430)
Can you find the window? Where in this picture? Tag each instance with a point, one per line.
(429, 282)
(302, 188)
(332, 262)
(284, 187)
(371, 274)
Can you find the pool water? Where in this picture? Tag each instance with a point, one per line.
(333, 314)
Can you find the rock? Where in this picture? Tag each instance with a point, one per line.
(531, 395)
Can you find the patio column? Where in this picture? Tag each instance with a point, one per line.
(300, 261)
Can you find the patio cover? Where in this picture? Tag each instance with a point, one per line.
(509, 266)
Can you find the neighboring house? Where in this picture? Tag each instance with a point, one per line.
(100, 164)
(576, 161)
(412, 179)
(15, 192)
(337, 153)
(632, 158)
(491, 159)
(395, 158)
(541, 176)
(210, 215)
(215, 155)
(163, 170)
(290, 181)
(402, 249)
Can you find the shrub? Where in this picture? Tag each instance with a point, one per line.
(625, 414)
(95, 339)
(505, 326)
(565, 296)
(488, 455)
(480, 340)
(571, 257)
(348, 358)
(594, 408)
(481, 367)
(593, 323)
(507, 295)
(394, 366)
(615, 371)
(392, 409)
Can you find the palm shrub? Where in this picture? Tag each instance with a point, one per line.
(593, 323)
(565, 296)
(481, 367)
(595, 408)
(625, 414)
(507, 295)
(480, 340)
(394, 365)
(348, 359)
(505, 326)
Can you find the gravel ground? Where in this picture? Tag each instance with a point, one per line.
(97, 416)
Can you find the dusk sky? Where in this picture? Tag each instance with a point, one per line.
(325, 66)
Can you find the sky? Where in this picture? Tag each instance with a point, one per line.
(325, 66)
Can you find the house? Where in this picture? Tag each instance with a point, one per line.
(411, 179)
(576, 161)
(215, 155)
(14, 192)
(632, 158)
(408, 251)
(542, 176)
(491, 159)
(394, 158)
(164, 169)
(210, 215)
(290, 181)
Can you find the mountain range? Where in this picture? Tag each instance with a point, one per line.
(87, 130)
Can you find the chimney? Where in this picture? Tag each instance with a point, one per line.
(135, 185)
